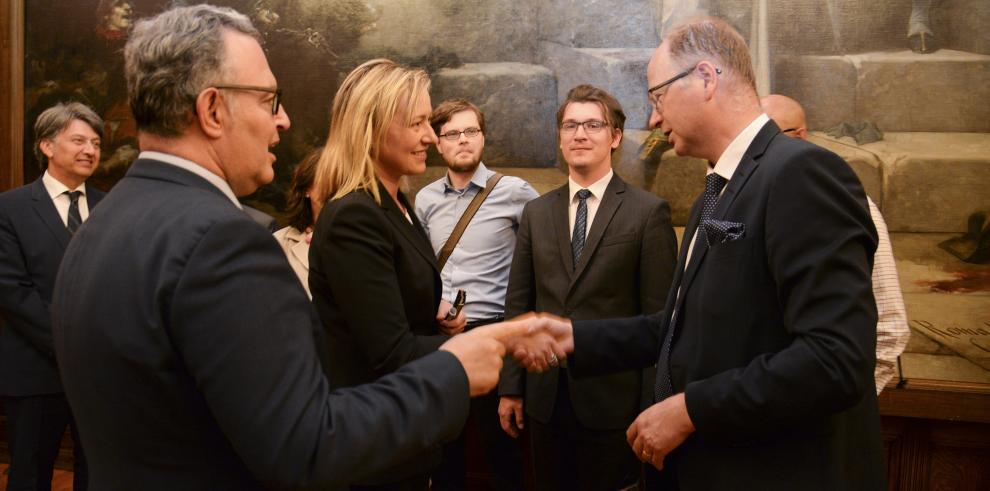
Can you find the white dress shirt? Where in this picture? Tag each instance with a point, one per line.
(56, 191)
(729, 161)
(597, 192)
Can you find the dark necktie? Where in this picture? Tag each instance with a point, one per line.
(713, 187)
(74, 219)
(580, 224)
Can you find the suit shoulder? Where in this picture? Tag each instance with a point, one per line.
(643, 196)
(19, 193)
(545, 200)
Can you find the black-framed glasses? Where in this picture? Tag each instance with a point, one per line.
(276, 101)
(656, 98)
(590, 126)
(455, 135)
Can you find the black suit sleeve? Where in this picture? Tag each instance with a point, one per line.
(520, 297)
(819, 247)
(368, 291)
(615, 345)
(21, 303)
(658, 256)
(249, 346)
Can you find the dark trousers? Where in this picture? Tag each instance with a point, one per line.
(35, 425)
(569, 456)
(502, 453)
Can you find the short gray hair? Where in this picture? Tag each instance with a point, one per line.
(708, 37)
(53, 120)
(170, 58)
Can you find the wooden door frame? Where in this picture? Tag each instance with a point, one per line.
(11, 94)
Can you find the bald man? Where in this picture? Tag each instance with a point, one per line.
(787, 113)
(892, 327)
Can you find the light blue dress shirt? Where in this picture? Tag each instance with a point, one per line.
(480, 263)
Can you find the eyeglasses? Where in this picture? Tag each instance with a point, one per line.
(276, 101)
(456, 135)
(790, 130)
(656, 98)
(590, 126)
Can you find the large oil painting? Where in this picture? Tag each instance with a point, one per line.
(921, 92)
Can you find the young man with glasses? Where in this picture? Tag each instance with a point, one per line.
(479, 265)
(591, 249)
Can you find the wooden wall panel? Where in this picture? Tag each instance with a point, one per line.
(11, 93)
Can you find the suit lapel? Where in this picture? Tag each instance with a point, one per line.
(611, 201)
(747, 165)
(413, 232)
(561, 228)
(45, 208)
(299, 249)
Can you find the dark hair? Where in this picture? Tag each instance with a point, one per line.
(299, 210)
(53, 120)
(448, 108)
(611, 109)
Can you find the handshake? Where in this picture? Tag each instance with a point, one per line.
(536, 341)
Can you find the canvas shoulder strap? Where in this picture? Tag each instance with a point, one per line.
(455, 236)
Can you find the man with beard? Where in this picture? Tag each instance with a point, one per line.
(478, 263)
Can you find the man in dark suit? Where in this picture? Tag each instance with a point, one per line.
(186, 344)
(594, 248)
(765, 350)
(36, 223)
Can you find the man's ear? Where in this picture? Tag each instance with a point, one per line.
(616, 138)
(47, 147)
(208, 114)
(709, 75)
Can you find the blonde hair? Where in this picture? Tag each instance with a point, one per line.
(363, 109)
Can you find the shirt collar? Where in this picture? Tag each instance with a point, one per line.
(54, 187)
(480, 178)
(195, 168)
(733, 154)
(597, 189)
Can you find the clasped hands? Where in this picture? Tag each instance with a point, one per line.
(536, 341)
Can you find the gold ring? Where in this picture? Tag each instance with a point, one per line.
(553, 359)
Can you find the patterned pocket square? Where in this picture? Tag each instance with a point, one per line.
(721, 231)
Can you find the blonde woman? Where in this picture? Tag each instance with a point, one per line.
(373, 274)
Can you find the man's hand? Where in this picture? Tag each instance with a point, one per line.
(541, 340)
(480, 353)
(659, 430)
(453, 326)
(510, 414)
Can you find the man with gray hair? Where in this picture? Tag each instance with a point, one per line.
(187, 346)
(36, 223)
(766, 346)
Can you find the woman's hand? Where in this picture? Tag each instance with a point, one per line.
(453, 326)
